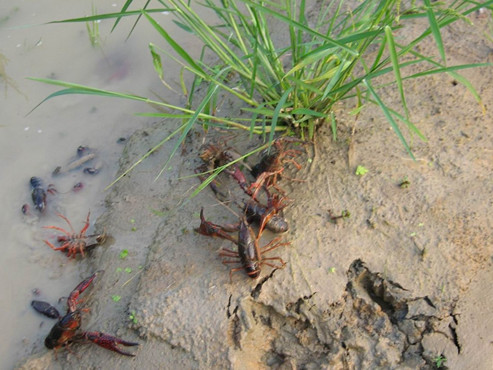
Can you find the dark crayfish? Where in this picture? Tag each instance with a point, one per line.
(215, 156)
(249, 254)
(267, 216)
(38, 194)
(65, 331)
(73, 242)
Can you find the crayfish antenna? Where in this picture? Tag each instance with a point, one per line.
(109, 342)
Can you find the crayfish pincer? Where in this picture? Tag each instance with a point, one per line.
(66, 330)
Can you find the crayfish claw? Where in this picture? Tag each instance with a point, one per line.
(72, 300)
(46, 309)
(208, 228)
(109, 342)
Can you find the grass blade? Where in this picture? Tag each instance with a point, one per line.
(333, 125)
(275, 116)
(435, 30)
(99, 17)
(395, 65)
(179, 50)
(222, 168)
(389, 117)
(141, 159)
(300, 26)
(188, 126)
(123, 10)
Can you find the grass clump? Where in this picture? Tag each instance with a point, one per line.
(338, 53)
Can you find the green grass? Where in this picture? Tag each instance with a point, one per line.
(93, 29)
(439, 361)
(292, 87)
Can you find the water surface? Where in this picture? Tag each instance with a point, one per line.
(35, 144)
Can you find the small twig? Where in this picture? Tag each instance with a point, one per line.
(129, 280)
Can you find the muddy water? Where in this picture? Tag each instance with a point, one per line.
(34, 144)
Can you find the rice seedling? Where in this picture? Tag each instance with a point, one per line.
(291, 84)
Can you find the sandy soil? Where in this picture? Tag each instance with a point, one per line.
(404, 280)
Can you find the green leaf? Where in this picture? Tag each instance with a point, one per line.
(116, 298)
(360, 171)
(333, 125)
(395, 65)
(211, 91)
(123, 10)
(124, 254)
(308, 112)
(325, 51)
(179, 50)
(297, 25)
(277, 110)
(389, 117)
(435, 30)
(99, 17)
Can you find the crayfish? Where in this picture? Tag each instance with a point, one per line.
(215, 156)
(249, 253)
(66, 330)
(38, 194)
(74, 243)
(272, 163)
(266, 173)
(267, 216)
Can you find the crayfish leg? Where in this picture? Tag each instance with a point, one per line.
(56, 248)
(268, 247)
(46, 309)
(273, 259)
(82, 247)
(225, 252)
(86, 226)
(234, 270)
(59, 229)
(67, 221)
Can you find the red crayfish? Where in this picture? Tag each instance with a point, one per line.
(73, 242)
(65, 331)
(249, 254)
(267, 172)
